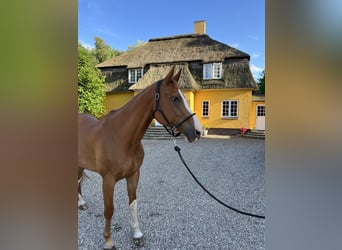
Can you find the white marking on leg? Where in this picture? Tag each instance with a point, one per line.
(81, 202)
(134, 220)
(79, 180)
(197, 123)
(109, 244)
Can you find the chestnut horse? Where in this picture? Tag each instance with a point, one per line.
(112, 145)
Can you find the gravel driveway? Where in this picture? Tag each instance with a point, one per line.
(173, 211)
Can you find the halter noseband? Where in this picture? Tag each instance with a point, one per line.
(170, 127)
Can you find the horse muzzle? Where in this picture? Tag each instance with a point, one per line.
(191, 136)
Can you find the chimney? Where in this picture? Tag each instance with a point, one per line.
(200, 27)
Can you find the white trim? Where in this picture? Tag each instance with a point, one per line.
(208, 108)
(219, 70)
(229, 109)
(256, 109)
(260, 120)
(209, 71)
(135, 78)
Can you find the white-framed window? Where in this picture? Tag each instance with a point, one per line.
(134, 75)
(205, 108)
(229, 109)
(212, 71)
(261, 110)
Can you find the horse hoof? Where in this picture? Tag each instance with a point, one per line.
(139, 242)
(83, 207)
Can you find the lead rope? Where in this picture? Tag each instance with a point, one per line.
(177, 149)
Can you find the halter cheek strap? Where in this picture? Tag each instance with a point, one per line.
(170, 127)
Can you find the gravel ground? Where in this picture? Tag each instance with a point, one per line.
(173, 211)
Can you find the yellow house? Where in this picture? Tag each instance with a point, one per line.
(216, 78)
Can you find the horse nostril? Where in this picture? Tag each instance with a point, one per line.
(198, 133)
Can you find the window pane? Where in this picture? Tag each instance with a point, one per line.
(131, 75)
(261, 111)
(139, 74)
(217, 68)
(134, 75)
(229, 108)
(207, 71)
(233, 108)
(225, 108)
(205, 108)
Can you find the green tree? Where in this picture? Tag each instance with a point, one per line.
(138, 44)
(103, 51)
(261, 83)
(91, 87)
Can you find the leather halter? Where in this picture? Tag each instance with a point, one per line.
(170, 127)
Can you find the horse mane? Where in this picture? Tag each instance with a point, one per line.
(108, 115)
(134, 97)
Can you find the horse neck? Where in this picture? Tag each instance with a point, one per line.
(133, 119)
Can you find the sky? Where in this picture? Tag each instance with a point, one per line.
(121, 23)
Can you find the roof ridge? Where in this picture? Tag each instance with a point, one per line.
(177, 37)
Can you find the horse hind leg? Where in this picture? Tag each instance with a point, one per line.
(82, 205)
(132, 183)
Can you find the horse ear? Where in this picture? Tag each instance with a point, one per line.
(170, 74)
(176, 77)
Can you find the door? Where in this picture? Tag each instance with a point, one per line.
(260, 117)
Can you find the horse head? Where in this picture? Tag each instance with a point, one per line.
(172, 109)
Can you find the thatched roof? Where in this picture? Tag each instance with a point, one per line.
(156, 72)
(117, 86)
(182, 48)
(188, 52)
(238, 75)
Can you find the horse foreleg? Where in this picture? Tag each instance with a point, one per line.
(132, 183)
(108, 192)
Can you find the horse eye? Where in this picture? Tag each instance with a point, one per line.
(174, 98)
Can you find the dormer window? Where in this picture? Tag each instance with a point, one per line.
(212, 71)
(134, 75)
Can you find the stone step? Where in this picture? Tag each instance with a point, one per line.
(257, 134)
(158, 133)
